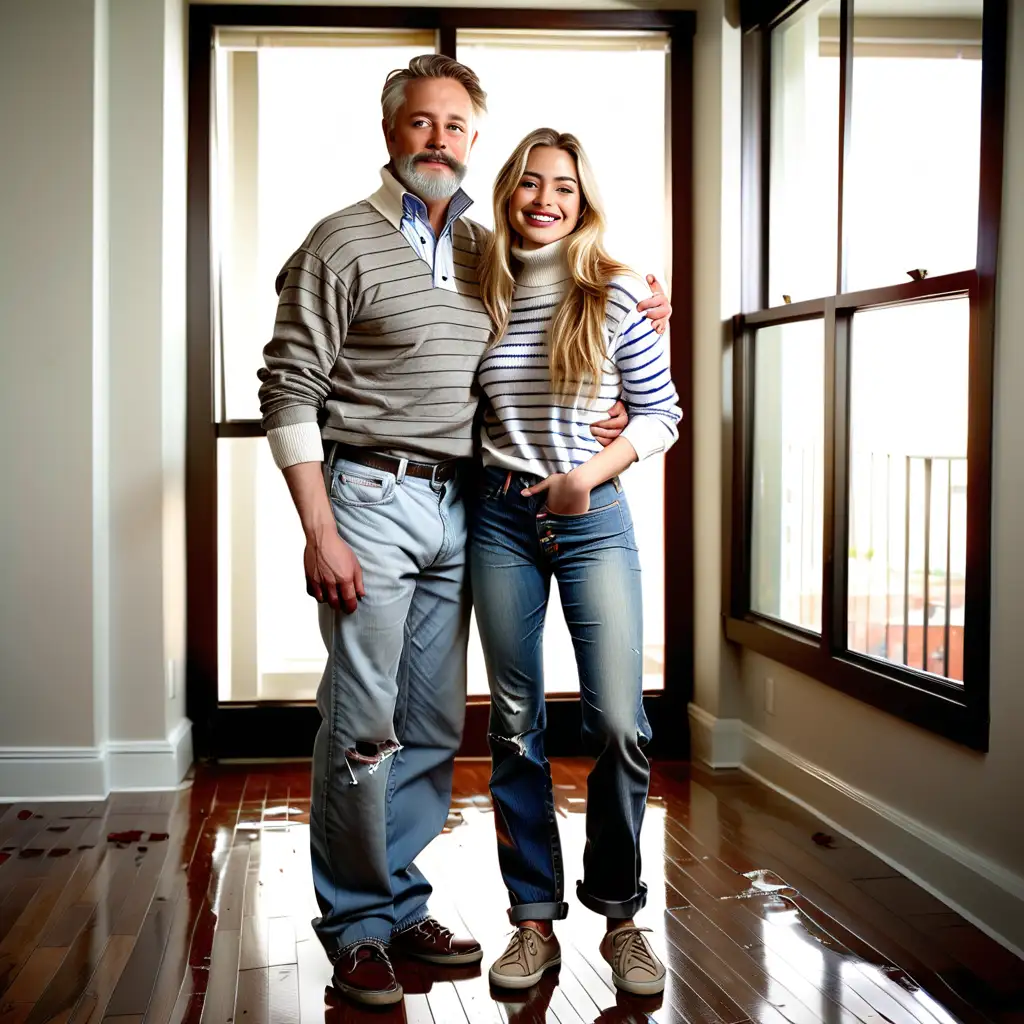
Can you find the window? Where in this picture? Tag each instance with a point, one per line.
(862, 360)
(277, 171)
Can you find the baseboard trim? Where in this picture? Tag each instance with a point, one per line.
(718, 742)
(982, 891)
(92, 773)
(151, 765)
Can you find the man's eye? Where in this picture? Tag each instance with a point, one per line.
(455, 127)
(419, 124)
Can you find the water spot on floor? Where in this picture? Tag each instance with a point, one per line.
(60, 851)
(30, 853)
(57, 828)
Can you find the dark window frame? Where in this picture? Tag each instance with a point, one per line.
(286, 729)
(960, 713)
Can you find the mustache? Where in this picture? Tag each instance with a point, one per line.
(437, 156)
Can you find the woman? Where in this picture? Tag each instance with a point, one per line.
(569, 343)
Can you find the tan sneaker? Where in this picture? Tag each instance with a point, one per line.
(527, 956)
(635, 968)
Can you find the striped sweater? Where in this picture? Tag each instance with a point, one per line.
(365, 349)
(528, 428)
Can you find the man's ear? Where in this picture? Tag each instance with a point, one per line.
(472, 143)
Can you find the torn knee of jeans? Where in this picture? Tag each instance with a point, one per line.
(514, 743)
(369, 753)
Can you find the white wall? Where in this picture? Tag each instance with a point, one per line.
(52, 601)
(946, 814)
(93, 207)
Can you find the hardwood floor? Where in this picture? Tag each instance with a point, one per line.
(194, 908)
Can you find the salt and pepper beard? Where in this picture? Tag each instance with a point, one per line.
(430, 187)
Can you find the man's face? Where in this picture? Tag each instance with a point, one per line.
(432, 137)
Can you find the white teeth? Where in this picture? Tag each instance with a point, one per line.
(541, 217)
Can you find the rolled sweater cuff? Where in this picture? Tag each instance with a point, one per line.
(648, 435)
(295, 443)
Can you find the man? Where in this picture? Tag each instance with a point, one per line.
(368, 400)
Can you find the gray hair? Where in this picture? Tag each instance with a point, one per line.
(429, 65)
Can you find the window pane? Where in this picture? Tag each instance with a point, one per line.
(912, 183)
(788, 479)
(804, 155)
(285, 159)
(623, 76)
(908, 485)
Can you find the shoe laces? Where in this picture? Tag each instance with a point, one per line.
(433, 928)
(629, 943)
(523, 942)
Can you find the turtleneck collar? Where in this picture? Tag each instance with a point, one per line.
(544, 266)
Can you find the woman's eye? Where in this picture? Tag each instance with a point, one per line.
(526, 184)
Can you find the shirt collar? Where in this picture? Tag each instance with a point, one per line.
(392, 201)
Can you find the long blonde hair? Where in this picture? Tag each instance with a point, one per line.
(577, 344)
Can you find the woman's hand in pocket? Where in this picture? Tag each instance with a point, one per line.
(567, 495)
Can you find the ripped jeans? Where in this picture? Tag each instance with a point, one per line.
(516, 547)
(392, 701)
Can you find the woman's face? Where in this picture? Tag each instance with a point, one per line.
(546, 203)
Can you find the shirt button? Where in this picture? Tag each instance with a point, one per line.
(444, 277)
(423, 240)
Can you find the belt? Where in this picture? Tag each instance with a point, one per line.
(435, 472)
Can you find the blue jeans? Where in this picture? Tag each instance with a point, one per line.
(516, 547)
(392, 701)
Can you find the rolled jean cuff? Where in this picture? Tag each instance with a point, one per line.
(612, 908)
(538, 912)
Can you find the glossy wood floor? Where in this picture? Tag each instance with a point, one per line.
(195, 907)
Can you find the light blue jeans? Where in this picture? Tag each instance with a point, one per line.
(392, 700)
(517, 547)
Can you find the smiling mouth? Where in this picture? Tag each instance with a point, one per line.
(541, 220)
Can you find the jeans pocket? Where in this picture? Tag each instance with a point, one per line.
(582, 515)
(358, 486)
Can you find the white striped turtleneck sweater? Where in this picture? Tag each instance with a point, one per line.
(529, 428)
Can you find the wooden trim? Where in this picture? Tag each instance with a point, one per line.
(443, 18)
(845, 121)
(831, 467)
(977, 597)
(837, 477)
(765, 14)
(946, 286)
(447, 41)
(922, 700)
(201, 437)
(679, 489)
(241, 428)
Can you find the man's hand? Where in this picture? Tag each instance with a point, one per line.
(333, 573)
(568, 495)
(607, 430)
(657, 308)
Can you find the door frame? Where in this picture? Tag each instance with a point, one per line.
(270, 729)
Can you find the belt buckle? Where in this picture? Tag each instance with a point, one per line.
(435, 480)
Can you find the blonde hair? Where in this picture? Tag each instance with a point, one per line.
(429, 65)
(577, 344)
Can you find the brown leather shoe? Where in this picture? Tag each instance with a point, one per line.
(429, 940)
(363, 972)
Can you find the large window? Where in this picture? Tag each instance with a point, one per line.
(278, 170)
(862, 359)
